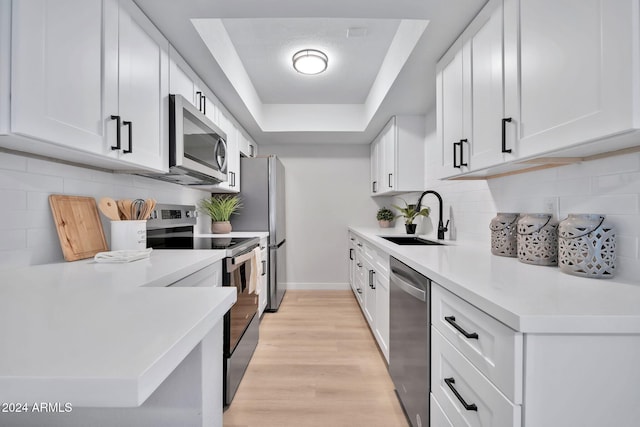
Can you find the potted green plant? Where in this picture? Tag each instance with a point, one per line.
(410, 213)
(384, 217)
(220, 208)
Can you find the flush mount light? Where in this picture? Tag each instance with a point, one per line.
(310, 61)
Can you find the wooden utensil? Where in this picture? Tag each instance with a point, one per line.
(78, 226)
(149, 204)
(124, 206)
(109, 208)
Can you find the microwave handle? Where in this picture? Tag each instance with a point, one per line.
(220, 145)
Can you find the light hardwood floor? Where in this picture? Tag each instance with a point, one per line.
(317, 364)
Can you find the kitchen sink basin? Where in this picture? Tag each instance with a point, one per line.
(410, 240)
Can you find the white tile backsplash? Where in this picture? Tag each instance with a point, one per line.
(28, 231)
(609, 186)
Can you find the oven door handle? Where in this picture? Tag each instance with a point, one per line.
(235, 262)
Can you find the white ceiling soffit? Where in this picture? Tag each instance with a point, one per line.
(329, 116)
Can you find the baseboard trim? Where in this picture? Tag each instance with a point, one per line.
(319, 286)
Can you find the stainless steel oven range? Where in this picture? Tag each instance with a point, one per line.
(172, 227)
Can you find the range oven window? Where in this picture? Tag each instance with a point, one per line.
(238, 274)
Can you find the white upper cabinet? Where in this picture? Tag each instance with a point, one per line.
(579, 74)
(453, 111)
(57, 63)
(397, 157)
(375, 158)
(143, 89)
(470, 96)
(78, 63)
(529, 79)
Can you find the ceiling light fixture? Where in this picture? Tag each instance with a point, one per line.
(310, 61)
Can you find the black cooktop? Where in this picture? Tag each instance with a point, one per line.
(177, 241)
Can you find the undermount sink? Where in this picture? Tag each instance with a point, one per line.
(410, 240)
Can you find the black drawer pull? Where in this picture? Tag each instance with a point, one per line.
(351, 254)
(129, 125)
(462, 162)
(504, 134)
(450, 382)
(118, 136)
(455, 144)
(199, 95)
(452, 321)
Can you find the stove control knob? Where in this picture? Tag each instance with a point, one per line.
(187, 214)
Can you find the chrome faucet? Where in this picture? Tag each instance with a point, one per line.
(441, 228)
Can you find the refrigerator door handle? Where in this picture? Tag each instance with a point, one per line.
(278, 245)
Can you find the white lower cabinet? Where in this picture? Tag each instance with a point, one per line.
(263, 297)
(437, 416)
(466, 396)
(210, 276)
(369, 279)
(493, 348)
(486, 374)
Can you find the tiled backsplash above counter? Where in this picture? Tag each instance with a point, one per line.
(609, 186)
(28, 231)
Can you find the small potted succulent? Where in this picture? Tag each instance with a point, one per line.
(220, 208)
(384, 217)
(410, 213)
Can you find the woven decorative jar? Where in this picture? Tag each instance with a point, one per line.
(538, 239)
(587, 246)
(504, 236)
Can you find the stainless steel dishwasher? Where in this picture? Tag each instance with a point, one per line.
(409, 340)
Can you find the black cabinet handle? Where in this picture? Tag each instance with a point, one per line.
(373, 281)
(359, 290)
(204, 105)
(251, 151)
(455, 157)
(452, 321)
(118, 136)
(351, 254)
(390, 175)
(374, 187)
(359, 265)
(504, 134)
(450, 382)
(130, 126)
(359, 244)
(232, 181)
(199, 95)
(462, 162)
(264, 267)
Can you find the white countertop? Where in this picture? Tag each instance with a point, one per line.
(527, 298)
(99, 334)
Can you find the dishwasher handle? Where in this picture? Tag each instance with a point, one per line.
(408, 287)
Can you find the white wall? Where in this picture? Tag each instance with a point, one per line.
(327, 191)
(26, 223)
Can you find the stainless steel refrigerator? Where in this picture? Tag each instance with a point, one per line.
(262, 194)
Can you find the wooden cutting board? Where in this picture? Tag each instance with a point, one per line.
(78, 225)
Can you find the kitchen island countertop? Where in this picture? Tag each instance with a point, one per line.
(527, 298)
(102, 335)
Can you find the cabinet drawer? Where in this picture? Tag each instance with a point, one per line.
(494, 349)
(210, 276)
(455, 382)
(437, 416)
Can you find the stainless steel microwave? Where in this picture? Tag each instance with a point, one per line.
(197, 147)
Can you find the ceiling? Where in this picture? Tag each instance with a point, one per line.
(382, 58)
